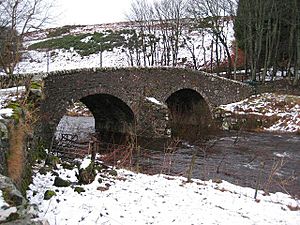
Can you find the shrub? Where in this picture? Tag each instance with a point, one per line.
(106, 41)
(59, 31)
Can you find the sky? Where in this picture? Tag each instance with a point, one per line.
(90, 11)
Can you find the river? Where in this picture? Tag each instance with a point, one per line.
(259, 160)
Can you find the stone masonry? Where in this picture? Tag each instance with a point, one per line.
(121, 93)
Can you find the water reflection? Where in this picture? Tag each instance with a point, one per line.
(81, 126)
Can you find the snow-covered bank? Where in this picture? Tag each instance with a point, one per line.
(131, 198)
(285, 109)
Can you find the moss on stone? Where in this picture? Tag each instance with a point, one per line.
(59, 182)
(67, 166)
(87, 175)
(79, 189)
(49, 194)
(35, 85)
(18, 111)
(51, 160)
(12, 217)
(113, 173)
(44, 170)
(11, 198)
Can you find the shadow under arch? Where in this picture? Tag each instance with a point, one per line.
(190, 117)
(114, 119)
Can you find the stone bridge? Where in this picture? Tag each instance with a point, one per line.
(145, 101)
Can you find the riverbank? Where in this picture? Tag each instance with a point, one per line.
(125, 197)
(263, 112)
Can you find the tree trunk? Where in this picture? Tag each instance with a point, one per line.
(235, 61)
(297, 63)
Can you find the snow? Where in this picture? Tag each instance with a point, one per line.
(5, 209)
(60, 59)
(154, 100)
(285, 107)
(85, 163)
(132, 198)
(6, 95)
(12, 90)
(5, 113)
(282, 155)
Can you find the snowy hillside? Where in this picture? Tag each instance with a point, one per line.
(50, 59)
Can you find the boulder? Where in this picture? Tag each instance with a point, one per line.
(14, 208)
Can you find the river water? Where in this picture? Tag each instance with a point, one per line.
(259, 160)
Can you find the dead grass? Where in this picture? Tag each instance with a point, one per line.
(120, 156)
(16, 156)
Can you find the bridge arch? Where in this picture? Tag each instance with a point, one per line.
(112, 111)
(189, 114)
(114, 119)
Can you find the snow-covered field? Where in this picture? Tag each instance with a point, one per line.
(134, 198)
(36, 61)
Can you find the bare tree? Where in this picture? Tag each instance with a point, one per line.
(215, 13)
(17, 17)
(159, 30)
(251, 17)
(190, 45)
(296, 21)
(297, 77)
(171, 14)
(142, 13)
